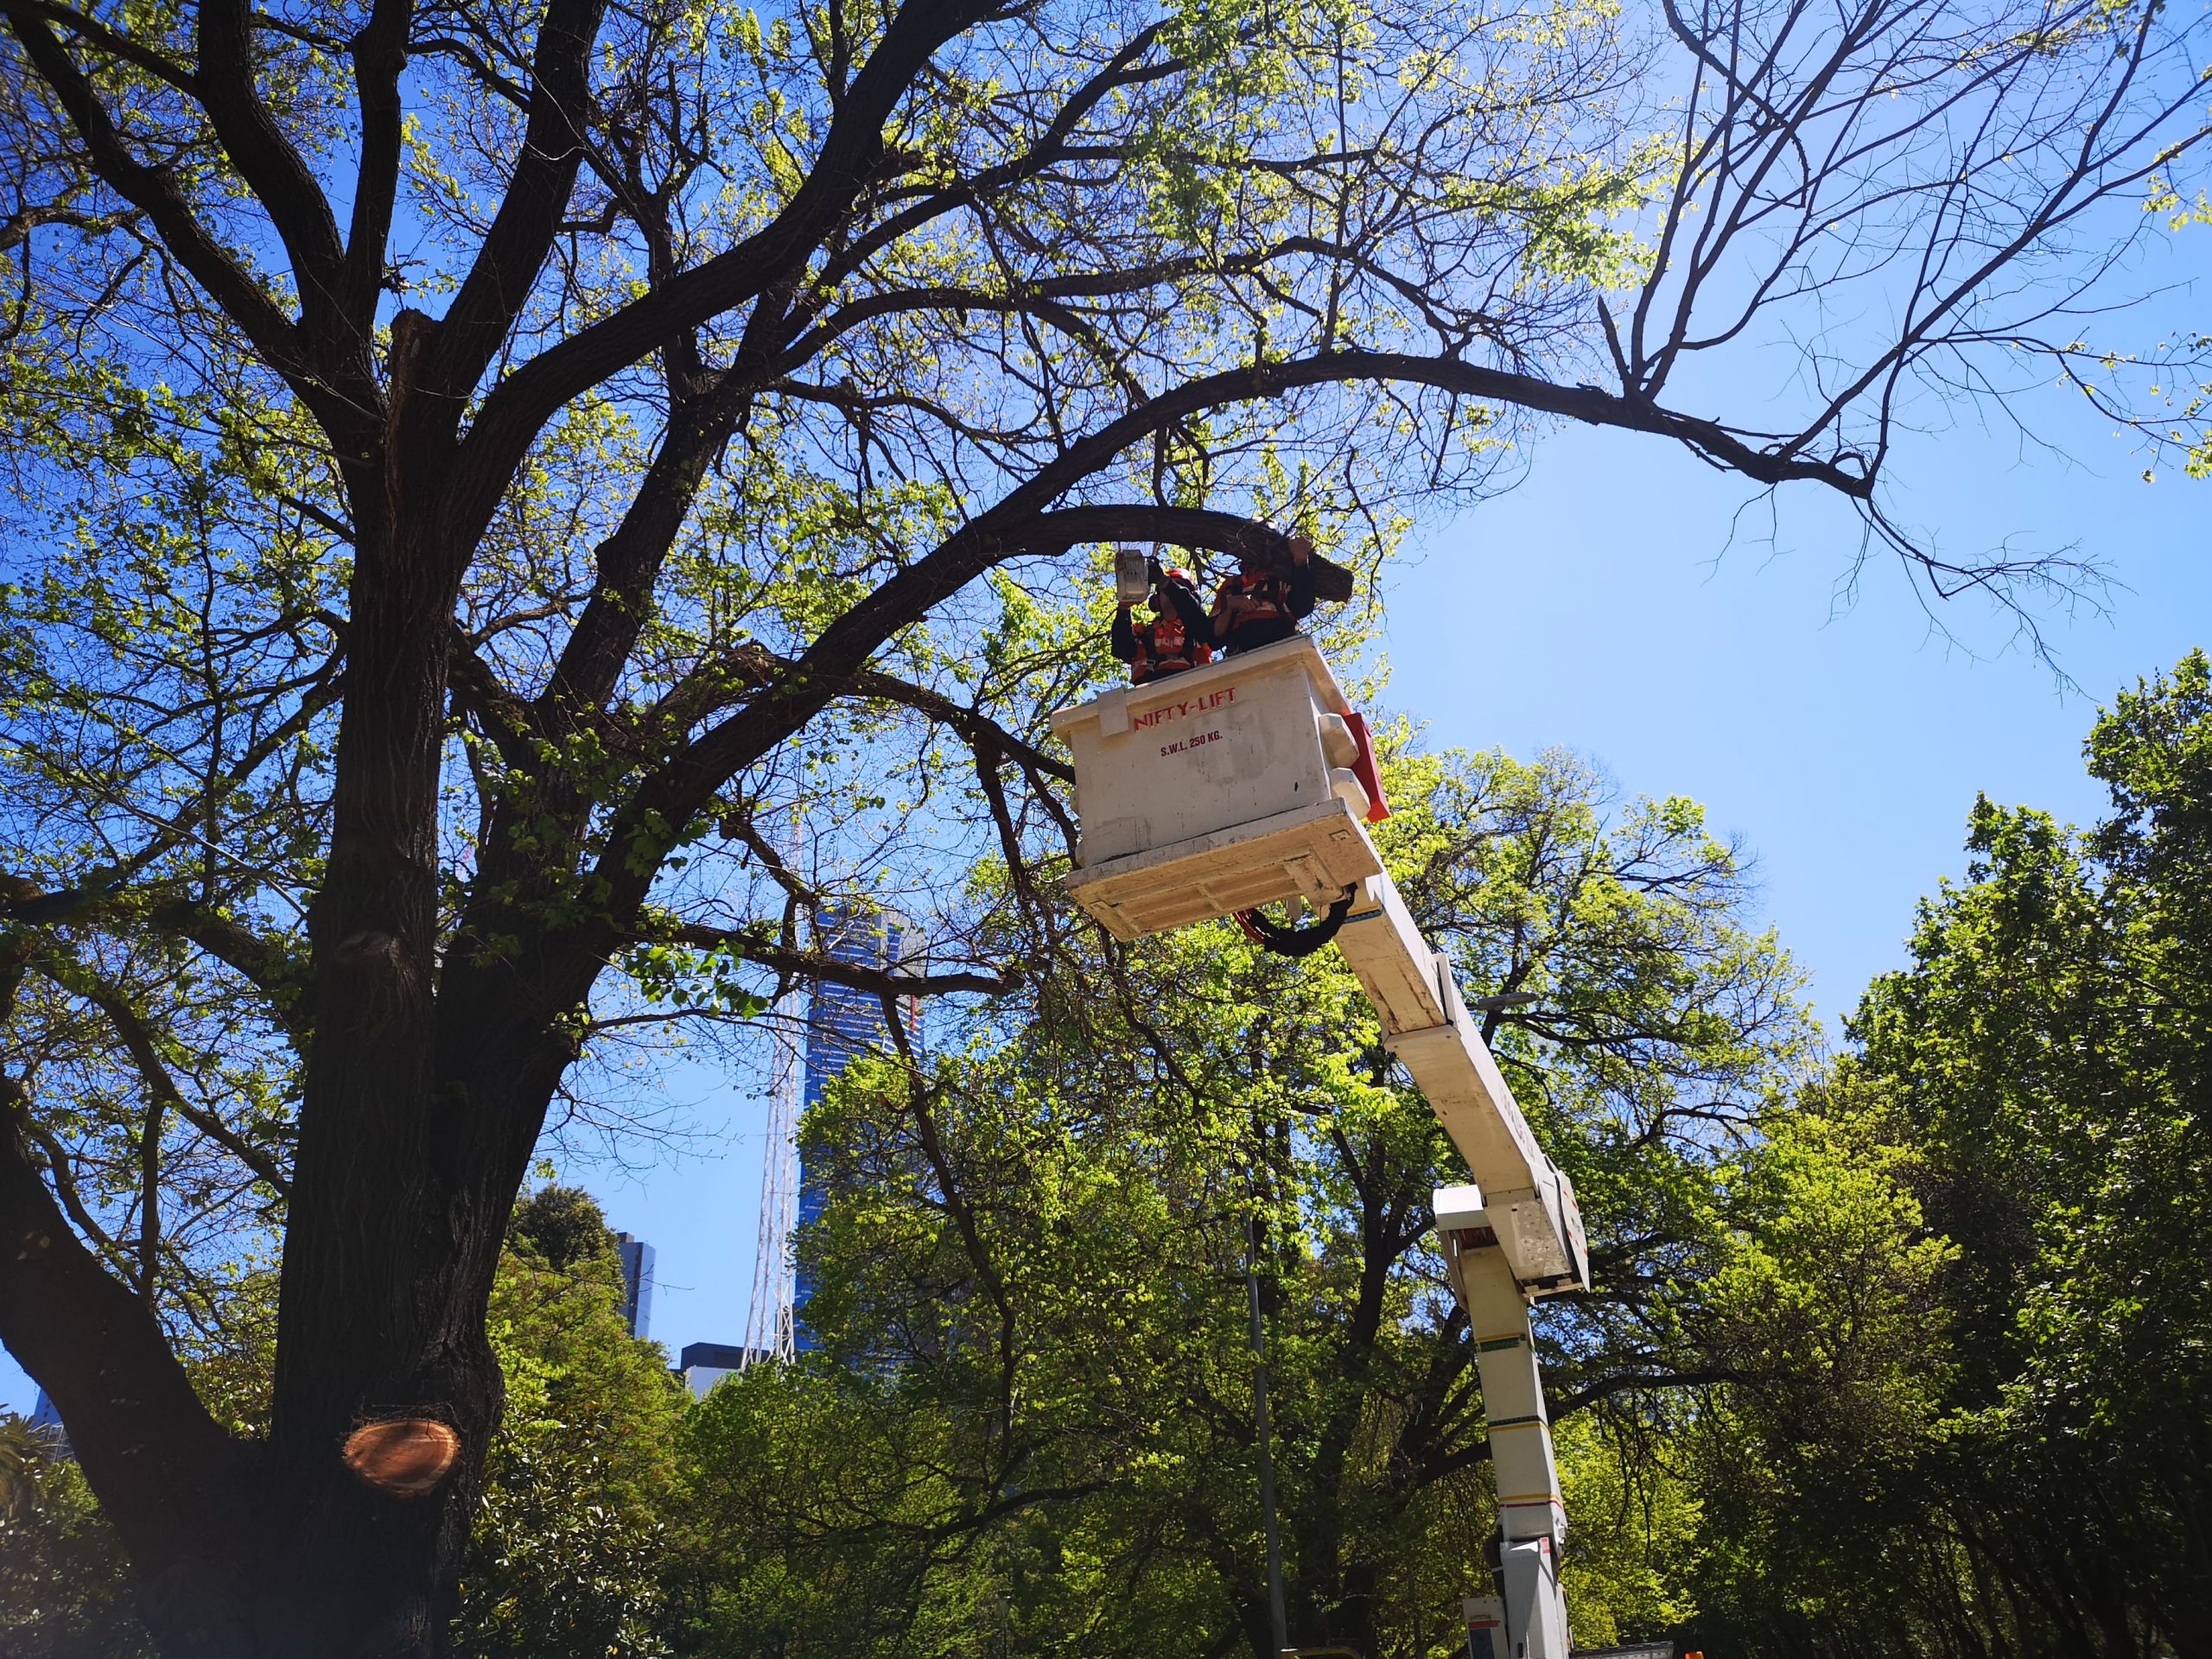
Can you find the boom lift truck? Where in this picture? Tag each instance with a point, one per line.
(1250, 781)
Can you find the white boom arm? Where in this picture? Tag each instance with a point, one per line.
(1514, 1235)
(1239, 783)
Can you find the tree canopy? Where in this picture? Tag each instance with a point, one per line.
(1895, 1346)
(2048, 1055)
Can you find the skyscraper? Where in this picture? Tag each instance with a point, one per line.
(637, 1283)
(46, 1424)
(843, 1023)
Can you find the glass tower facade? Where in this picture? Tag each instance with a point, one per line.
(843, 1023)
(637, 1283)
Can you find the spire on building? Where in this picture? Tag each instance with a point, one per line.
(769, 1331)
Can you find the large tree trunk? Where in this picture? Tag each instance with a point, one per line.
(303, 1557)
(385, 1254)
(425, 1086)
(277, 1550)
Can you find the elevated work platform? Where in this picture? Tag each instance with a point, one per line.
(1250, 781)
(1218, 790)
(1316, 853)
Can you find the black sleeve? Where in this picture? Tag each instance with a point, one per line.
(1301, 589)
(1125, 639)
(1193, 613)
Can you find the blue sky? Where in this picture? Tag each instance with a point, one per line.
(1602, 606)
(1620, 602)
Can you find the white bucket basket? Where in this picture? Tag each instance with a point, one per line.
(1215, 789)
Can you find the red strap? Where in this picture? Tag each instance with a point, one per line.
(1363, 767)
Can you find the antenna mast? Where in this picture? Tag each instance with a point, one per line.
(768, 1328)
(768, 1317)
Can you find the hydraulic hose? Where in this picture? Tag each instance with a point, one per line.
(1295, 941)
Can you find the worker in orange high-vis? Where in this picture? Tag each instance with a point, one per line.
(1178, 637)
(1260, 605)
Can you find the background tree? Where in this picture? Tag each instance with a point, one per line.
(2042, 1066)
(1831, 1349)
(469, 457)
(567, 1554)
(1901, 1353)
(64, 1585)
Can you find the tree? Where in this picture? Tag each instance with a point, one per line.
(1033, 1413)
(571, 1545)
(63, 1589)
(2027, 1474)
(1831, 1348)
(2049, 1047)
(469, 457)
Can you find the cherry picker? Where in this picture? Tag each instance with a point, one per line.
(1252, 781)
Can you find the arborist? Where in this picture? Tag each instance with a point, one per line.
(1178, 637)
(1259, 605)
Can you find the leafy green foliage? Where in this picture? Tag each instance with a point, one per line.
(1829, 1344)
(64, 1593)
(1910, 1350)
(2036, 1477)
(572, 1541)
(512, 508)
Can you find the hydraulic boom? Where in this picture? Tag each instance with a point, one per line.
(1249, 781)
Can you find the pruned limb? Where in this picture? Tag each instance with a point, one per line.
(504, 717)
(16, 227)
(277, 970)
(271, 967)
(739, 826)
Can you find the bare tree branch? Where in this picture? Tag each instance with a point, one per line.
(224, 83)
(152, 191)
(162, 1094)
(755, 947)
(850, 152)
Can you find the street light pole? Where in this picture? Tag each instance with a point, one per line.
(1277, 1613)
